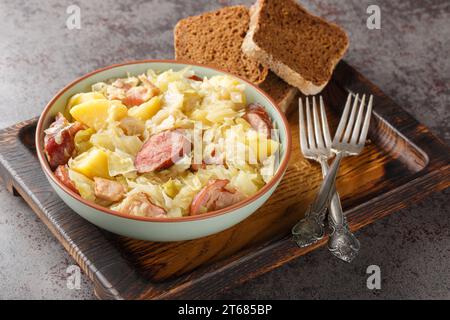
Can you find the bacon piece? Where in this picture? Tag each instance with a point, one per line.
(161, 151)
(259, 119)
(62, 174)
(127, 91)
(195, 78)
(136, 96)
(139, 204)
(108, 190)
(59, 142)
(213, 197)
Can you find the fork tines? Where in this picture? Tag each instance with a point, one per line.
(315, 136)
(353, 129)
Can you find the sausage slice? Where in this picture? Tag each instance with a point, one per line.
(213, 197)
(161, 151)
(259, 119)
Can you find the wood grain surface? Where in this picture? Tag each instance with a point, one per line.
(402, 163)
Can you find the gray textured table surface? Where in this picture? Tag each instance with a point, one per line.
(408, 58)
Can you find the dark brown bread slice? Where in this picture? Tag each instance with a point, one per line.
(282, 93)
(215, 38)
(306, 53)
(222, 49)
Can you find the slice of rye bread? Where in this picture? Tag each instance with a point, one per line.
(215, 39)
(306, 53)
(281, 92)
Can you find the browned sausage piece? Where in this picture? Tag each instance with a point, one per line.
(59, 142)
(213, 197)
(62, 173)
(195, 78)
(108, 190)
(139, 204)
(259, 119)
(161, 151)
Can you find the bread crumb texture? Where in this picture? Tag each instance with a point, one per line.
(215, 39)
(309, 45)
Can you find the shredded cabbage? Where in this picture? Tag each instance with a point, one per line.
(84, 185)
(81, 140)
(113, 138)
(120, 163)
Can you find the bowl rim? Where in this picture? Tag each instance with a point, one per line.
(39, 138)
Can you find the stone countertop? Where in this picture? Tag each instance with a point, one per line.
(407, 58)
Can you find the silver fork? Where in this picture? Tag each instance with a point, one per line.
(315, 142)
(318, 147)
(349, 140)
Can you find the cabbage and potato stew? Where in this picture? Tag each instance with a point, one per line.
(166, 144)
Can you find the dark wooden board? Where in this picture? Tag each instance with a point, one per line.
(402, 163)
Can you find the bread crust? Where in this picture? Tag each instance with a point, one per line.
(251, 49)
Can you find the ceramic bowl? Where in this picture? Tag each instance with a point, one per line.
(160, 229)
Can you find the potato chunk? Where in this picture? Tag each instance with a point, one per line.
(96, 113)
(93, 163)
(83, 97)
(146, 110)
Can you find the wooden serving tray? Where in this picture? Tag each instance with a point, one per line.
(402, 163)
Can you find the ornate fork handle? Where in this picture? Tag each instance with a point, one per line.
(311, 229)
(342, 243)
